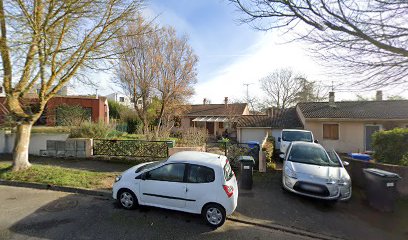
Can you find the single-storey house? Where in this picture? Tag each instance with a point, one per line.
(216, 118)
(348, 126)
(345, 126)
(259, 127)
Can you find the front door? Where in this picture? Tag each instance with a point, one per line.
(369, 131)
(164, 186)
(210, 127)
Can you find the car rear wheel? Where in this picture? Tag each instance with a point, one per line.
(127, 199)
(214, 215)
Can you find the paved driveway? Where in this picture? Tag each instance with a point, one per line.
(41, 214)
(268, 204)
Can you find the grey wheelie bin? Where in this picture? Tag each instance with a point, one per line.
(381, 188)
(247, 168)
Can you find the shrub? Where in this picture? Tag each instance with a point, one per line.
(223, 143)
(391, 146)
(71, 115)
(91, 130)
(193, 136)
(132, 124)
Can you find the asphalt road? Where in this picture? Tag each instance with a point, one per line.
(42, 214)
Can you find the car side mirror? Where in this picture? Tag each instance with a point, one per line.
(143, 176)
(316, 141)
(346, 163)
(279, 139)
(282, 156)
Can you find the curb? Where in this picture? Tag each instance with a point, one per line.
(55, 188)
(291, 230)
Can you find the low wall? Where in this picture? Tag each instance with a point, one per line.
(180, 149)
(38, 141)
(355, 169)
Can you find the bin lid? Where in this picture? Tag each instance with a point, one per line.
(246, 159)
(381, 173)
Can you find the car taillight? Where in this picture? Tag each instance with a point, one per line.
(229, 190)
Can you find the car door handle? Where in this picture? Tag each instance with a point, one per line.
(186, 189)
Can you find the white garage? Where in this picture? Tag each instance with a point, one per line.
(253, 134)
(260, 127)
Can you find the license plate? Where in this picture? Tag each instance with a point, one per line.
(311, 188)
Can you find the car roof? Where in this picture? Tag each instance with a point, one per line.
(295, 130)
(201, 158)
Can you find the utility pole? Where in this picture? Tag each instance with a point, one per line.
(247, 90)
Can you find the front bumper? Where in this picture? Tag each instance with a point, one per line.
(341, 193)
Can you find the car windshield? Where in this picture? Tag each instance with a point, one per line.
(291, 136)
(149, 165)
(311, 154)
(333, 156)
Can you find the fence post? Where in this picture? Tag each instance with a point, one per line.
(167, 149)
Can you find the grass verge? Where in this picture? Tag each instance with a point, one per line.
(59, 176)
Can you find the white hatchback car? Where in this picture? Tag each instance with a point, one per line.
(194, 182)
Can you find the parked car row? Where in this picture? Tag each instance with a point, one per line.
(311, 170)
(204, 183)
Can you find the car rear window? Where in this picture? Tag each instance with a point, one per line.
(228, 173)
(291, 136)
(200, 174)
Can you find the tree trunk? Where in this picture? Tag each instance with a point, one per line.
(20, 152)
(160, 120)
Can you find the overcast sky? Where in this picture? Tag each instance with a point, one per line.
(231, 54)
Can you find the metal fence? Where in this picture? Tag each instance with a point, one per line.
(131, 148)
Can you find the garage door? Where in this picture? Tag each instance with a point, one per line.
(253, 134)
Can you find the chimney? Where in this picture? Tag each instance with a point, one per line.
(226, 101)
(204, 101)
(331, 99)
(378, 96)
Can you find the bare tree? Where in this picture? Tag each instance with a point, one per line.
(177, 71)
(137, 69)
(47, 43)
(282, 88)
(311, 92)
(366, 39)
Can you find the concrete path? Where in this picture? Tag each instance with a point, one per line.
(42, 214)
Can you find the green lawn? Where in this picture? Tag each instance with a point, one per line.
(59, 176)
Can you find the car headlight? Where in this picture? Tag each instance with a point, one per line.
(289, 171)
(343, 182)
(117, 179)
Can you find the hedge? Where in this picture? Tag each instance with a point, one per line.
(391, 146)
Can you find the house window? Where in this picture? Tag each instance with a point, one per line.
(121, 99)
(1, 89)
(331, 131)
(220, 125)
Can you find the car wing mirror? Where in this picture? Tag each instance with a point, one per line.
(143, 176)
(345, 163)
(282, 155)
(316, 141)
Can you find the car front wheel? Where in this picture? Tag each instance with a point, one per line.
(127, 199)
(214, 215)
